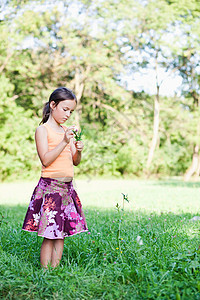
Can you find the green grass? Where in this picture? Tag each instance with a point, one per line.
(165, 266)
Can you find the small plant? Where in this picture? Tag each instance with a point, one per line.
(77, 135)
(119, 239)
(125, 198)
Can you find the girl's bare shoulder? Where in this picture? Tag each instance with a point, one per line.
(41, 130)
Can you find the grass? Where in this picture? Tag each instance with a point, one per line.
(109, 263)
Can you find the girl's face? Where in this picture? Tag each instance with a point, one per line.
(63, 110)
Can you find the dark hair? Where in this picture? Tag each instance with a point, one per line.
(60, 94)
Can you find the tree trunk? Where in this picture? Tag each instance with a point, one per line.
(155, 129)
(81, 75)
(197, 173)
(195, 164)
(79, 87)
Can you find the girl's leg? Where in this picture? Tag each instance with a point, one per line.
(57, 252)
(46, 252)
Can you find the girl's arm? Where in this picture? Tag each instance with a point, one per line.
(47, 157)
(76, 148)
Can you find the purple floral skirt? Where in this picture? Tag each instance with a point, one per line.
(55, 210)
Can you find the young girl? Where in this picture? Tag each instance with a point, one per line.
(55, 210)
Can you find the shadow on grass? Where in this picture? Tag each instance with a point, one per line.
(14, 241)
(107, 260)
(102, 223)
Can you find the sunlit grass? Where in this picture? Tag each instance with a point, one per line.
(172, 195)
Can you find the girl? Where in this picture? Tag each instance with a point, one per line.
(55, 210)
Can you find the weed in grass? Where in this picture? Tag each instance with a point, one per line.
(120, 219)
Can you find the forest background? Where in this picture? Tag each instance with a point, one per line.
(92, 47)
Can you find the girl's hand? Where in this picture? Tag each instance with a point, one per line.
(79, 145)
(69, 134)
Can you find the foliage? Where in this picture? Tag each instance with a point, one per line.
(43, 46)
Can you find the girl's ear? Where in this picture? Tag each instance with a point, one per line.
(52, 104)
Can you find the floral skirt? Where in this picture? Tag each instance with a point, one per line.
(55, 210)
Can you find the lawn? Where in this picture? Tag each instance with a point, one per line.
(149, 250)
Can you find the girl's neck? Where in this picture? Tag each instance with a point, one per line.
(53, 124)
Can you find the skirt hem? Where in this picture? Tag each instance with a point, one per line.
(55, 238)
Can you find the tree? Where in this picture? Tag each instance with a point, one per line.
(186, 53)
